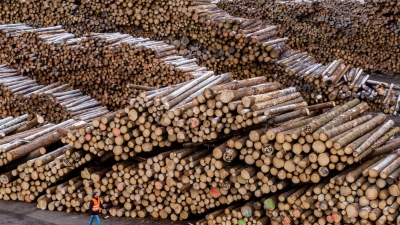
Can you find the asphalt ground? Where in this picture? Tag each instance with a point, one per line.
(21, 213)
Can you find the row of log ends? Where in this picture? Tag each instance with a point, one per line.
(276, 169)
(273, 160)
(31, 160)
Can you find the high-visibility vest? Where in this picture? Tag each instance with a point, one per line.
(96, 204)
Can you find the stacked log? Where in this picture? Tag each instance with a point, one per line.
(55, 103)
(333, 29)
(197, 111)
(224, 56)
(308, 18)
(365, 193)
(230, 107)
(135, 189)
(30, 160)
(369, 189)
(179, 182)
(335, 81)
(137, 128)
(322, 144)
(74, 193)
(119, 66)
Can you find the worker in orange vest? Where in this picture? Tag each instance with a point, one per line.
(94, 207)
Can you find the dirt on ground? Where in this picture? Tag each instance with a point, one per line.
(20, 213)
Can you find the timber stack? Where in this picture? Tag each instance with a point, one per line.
(119, 66)
(31, 160)
(292, 143)
(333, 29)
(196, 111)
(232, 44)
(56, 103)
(181, 140)
(259, 167)
(335, 81)
(305, 152)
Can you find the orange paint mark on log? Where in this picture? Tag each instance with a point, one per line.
(103, 127)
(116, 132)
(215, 192)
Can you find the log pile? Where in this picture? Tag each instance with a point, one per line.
(259, 167)
(247, 174)
(335, 81)
(138, 126)
(55, 103)
(365, 193)
(196, 111)
(139, 189)
(232, 44)
(119, 65)
(227, 108)
(251, 148)
(30, 159)
(360, 193)
(362, 33)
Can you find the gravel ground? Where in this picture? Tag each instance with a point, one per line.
(19, 213)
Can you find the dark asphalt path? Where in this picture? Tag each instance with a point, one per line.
(20, 213)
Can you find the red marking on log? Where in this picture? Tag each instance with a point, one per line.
(215, 192)
(286, 220)
(27, 198)
(296, 213)
(119, 187)
(195, 123)
(103, 127)
(116, 132)
(158, 185)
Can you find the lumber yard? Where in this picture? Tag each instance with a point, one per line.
(180, 110)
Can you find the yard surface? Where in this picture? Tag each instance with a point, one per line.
(19, 213)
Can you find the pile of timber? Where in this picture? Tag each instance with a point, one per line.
(335, 81)
(363, 33)
(31, 160)
(231, 107)
(55, 103)
(139, 189)
(196, 111)
(266, 171)
(232, 44)
(288, 171)
(138, 127)
(259, 168)
(366, 194)
(11, 125)
(109, 67)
